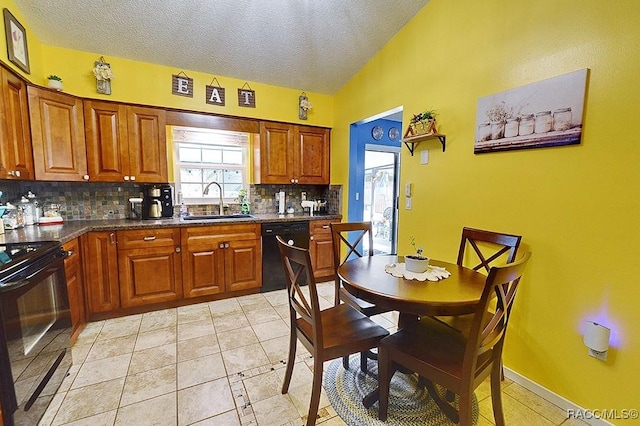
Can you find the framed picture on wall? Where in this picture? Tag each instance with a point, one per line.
(542, 114)
(17, 50)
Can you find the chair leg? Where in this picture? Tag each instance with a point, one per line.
(496, 394)
(316, 387)
(293, 340)
(465, 408)
(336, 300)
(386, 370)
(363, 362)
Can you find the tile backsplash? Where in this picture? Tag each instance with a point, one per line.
(94, 200)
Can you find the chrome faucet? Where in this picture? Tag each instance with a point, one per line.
(206, 191)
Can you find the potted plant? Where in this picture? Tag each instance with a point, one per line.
(54, 82)
(416, 263)
(424, 122)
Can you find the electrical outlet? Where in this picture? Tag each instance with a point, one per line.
(407, 205)
(303, 196)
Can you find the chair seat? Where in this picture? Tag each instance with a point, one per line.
(431, 344)
(363, 306)
(345, 331)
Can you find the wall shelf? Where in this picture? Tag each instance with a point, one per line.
(411, 141)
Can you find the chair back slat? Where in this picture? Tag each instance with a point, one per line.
(347, 238)
(502, 282)
(488, 247)
(297, 268)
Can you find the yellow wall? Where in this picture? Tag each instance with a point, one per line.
(576, 206)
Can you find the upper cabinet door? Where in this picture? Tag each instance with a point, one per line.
(276, 162)
(311, 155)
(57, 133)
(147, 144)
(107, 145)
(16, 157)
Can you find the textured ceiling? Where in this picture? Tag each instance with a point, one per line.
(312, 45)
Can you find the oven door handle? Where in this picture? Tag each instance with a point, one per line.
(14, 285)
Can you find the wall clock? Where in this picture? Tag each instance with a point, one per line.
(377, 133)
(393, 133)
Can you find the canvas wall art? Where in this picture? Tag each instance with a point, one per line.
(542, 114)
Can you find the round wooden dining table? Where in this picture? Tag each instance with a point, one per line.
(459, 294)
(366, 278)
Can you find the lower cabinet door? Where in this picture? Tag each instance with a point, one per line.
(149, 276)
(203, 268)
(100, 258)
(243, 269)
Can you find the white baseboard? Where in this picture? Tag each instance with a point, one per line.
(560, 401)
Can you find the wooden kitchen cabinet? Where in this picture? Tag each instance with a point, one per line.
(57, 134)
(100, 256)
(75, 285)
(321, 249)
(149, 266)
(290, 153)
(125, 143)
(220, 259)
(16, 156)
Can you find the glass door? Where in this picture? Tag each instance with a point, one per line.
(380, 194)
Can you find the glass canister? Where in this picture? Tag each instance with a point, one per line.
(543, 122)
(13, 217)
(29, 210)
(562, 119)
(484, 131)
(527, 123)
(511, 128)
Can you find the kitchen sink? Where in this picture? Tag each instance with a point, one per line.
(218, 216)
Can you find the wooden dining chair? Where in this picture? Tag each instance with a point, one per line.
(327, 334)
(348, 243)
(488, 247)
(458, 362)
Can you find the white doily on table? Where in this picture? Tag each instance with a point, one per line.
(433, 273)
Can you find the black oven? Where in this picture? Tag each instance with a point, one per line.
(35, 329)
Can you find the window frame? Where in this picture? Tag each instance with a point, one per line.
(201, 138)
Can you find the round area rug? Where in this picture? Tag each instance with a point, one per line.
(408, 405)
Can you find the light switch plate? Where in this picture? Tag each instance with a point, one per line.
(424, 156)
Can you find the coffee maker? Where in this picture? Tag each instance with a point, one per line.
(157, 201)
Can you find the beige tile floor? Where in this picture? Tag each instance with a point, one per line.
(217, 363)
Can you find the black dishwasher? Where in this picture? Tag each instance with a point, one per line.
(296, 233)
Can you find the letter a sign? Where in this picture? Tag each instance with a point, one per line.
(215, 95)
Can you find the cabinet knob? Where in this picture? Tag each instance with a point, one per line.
(133, 178)
(226, 245)
(296, 181)
(311, 238)
(11, 173)
(178, 249)
(126, 178)
(292, 180)
(221, 245)
(70, 253)
(85, 177)
(17, 173)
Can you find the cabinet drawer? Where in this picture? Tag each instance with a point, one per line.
(73, 252)
(148, 238)
(321, 228)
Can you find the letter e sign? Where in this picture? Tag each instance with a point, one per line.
(182, 85)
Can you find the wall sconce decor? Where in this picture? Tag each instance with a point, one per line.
(596, 338)
(103, 74)
(304, 105)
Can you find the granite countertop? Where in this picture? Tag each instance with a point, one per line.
(75, 228)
